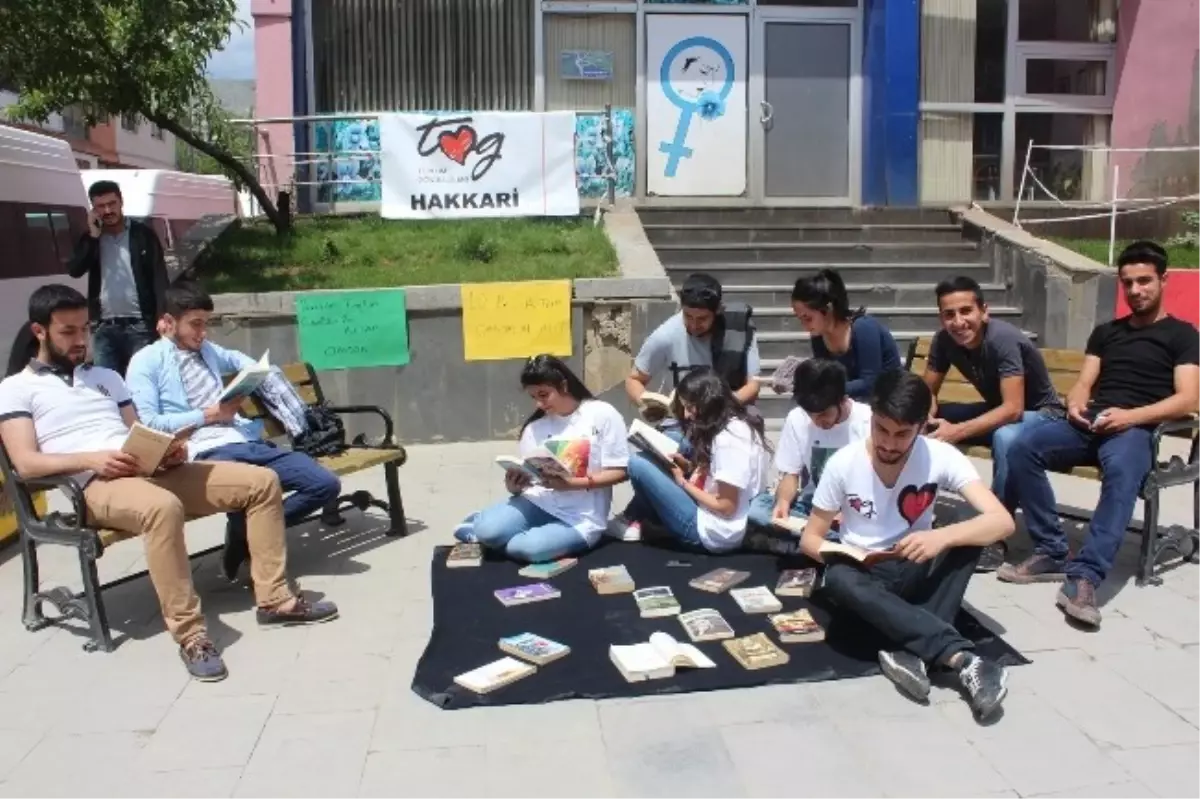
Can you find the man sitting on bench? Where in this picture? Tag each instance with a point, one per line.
(1008, 372)
(176, 383)
(1139, 371)
(61, 416)
(885, 489)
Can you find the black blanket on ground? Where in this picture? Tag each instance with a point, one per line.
(468, 622)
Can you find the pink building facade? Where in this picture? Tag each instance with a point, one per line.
(275, 86)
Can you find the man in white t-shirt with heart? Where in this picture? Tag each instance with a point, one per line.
(885, 488)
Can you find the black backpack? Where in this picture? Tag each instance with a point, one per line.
(325, 433)
(732, 333)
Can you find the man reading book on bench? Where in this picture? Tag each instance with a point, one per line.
(891, 568)
(176, 383)
(62, 417)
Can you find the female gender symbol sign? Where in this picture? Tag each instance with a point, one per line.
(708, 104)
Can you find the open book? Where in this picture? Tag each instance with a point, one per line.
(149, 446)
(793, 524)
(557, 457)
(248, 380)
(655, 407)
(656, 445)
(657, 658)
(863, 556)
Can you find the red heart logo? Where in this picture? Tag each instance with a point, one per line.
(456, 145)
(914, 501)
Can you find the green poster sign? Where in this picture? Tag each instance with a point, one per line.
(353, 329)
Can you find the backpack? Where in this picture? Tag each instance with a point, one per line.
(732, 334)
(324, 433)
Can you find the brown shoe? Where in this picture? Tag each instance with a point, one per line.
(301, 612)
(1077, 599)
(1036, 568)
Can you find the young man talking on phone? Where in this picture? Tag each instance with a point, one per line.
(912, 585)
(127, 278)
(1139, 371)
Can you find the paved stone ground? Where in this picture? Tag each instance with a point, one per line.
(328, 710)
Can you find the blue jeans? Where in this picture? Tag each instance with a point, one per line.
(526, 532)
(1124, 460)
(312, 485)
(1000, 440)
(763, 505)
(658, 499)
(115, 341)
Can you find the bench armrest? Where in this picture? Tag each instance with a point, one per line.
(1175, 464)
(389, 428)
(58, 528)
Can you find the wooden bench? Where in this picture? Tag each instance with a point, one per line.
(72, 530)
(1064, 366)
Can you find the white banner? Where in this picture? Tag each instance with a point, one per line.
(475, 165)
(696, 105)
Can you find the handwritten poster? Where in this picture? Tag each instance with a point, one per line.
(516, 320)
(353, 329)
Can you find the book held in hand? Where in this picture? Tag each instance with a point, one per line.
(149, 446)
(797, 626)
(524, 594)
(705, 625)
(756, 652)
(657, 601)
(534, 648)
(758, 599)
(866, 557)
(796, 582)
(496, 674)
(544, 571)
(655, 407)
(249, 380)
(561, 458)
(611, 580)
(657, 658)
(719, 580)
(793, 524)
(464, 555)
(655, 444)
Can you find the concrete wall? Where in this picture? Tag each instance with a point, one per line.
(1063, 294)
(1158, 57)
(439, 397)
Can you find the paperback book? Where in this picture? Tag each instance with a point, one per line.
(496, 674)
(611, 580)
(655, 407)
(797, 626)
(866, 557)
(653, 443)
(534, 648)
(464, 555)
(796, 582)
(755, 652)
(657, 658)
(719, 580)
(149, 446)
(524, 594)
(705, 625)
(656, 602)
(561, 458)
(756, 600)
(544, 571)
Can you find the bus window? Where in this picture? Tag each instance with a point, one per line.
(62, 236)
(41, 255)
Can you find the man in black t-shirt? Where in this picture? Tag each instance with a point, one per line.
(1140, 370)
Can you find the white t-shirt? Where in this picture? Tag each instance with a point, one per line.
(804, 448)
(597, 426)
(740, 460)
(874, 516)
(76, 413)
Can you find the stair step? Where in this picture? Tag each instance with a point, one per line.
(870, 295)
(899, 317)
(880, 215)
(782, 232)
(825, 252)
(731, 273)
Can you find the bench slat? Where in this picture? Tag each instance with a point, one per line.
(1062, 381)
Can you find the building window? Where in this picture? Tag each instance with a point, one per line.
(590, 61)
(1068, 174)
(1067, 21)
(130, 122)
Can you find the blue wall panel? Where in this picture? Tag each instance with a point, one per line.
(891, 93)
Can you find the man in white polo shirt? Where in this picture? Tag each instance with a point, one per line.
(60, 416)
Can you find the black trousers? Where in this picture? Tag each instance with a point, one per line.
(912, 604)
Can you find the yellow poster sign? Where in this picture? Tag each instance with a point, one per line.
(516, 320)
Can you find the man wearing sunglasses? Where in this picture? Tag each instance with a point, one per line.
(706, 332)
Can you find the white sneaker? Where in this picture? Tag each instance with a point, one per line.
(623, 530)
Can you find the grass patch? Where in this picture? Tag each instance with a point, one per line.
(1097, 249)
(330, 252)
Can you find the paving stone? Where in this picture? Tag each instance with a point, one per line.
(688, 763)
(1116, 790)
(459, 771)
(75, 765)
(317, 754)
(567, 767)
(14, 746)
(1168, 675)
(199, 783)
(807, 756)
(1166, 770)
(207, 733)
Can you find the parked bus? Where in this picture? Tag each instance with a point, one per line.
(170, 202)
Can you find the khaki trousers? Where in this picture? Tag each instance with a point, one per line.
(158, 506)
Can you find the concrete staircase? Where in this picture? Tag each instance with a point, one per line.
(890, 258)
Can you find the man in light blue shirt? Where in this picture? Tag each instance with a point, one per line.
(177, 383)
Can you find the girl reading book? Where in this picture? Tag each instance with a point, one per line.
(554, 516)
(703, 502)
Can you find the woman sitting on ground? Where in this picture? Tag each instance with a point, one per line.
(703, 503)
(857, 341)
(556, 517)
